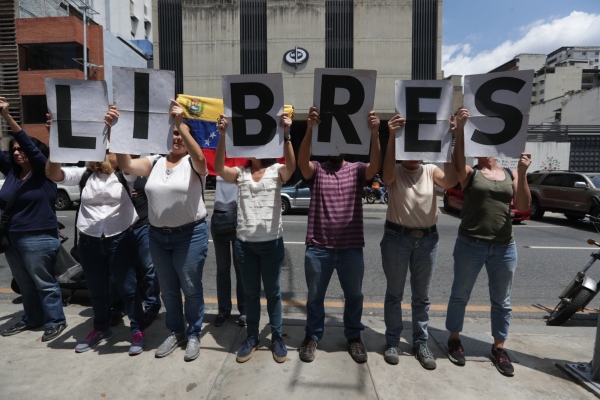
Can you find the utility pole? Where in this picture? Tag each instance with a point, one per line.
(84, 7)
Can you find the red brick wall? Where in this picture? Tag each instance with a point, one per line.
(56, 30)
(32, 82)
(61, 30)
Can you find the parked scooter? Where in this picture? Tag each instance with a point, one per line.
(68, 272)
(582, 290)
(371, 195)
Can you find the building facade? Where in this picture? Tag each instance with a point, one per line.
(201, 40)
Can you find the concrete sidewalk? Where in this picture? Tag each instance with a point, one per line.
(32, 369)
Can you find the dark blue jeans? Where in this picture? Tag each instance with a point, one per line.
(101, 257)
(225, 253)
(146, 276)
(179, 258)
(32, 257)
(319, 264)
(261, 260)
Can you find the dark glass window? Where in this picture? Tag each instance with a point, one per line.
(34, 109)
(569, 180)
(339, 34)
(553, 180)
(33, 57)
(424, 44)
(253, 36)
(170, 37)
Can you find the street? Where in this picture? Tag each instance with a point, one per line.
(550, 252)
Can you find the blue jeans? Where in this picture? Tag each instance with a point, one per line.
(179, 261)
(261, 260)
(501, 263)
(319, 264)
(32, 257)
(101, 257)
(146, 276)
(224, 252)
(399, 254)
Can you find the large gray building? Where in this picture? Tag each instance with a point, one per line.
(203, 39)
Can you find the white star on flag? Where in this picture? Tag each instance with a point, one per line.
(212, 135)
(207, 142)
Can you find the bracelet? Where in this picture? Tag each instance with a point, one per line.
(287, 138)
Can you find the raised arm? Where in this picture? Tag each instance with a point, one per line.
(288, 169)
(306, 166)
(389, 162)
(137, 167)
(227, 173)
(54, 171)
(448, 177)
(374, 164)
(193, 148)
(522, 195)
(463, 171)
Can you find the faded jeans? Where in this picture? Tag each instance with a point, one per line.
(500, 261)
(399, 254)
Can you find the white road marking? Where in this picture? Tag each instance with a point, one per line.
(559, 248)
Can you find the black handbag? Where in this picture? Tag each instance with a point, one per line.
(5, 222)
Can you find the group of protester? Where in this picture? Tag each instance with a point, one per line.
(247, 220)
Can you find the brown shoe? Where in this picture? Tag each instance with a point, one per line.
(357, 350)
(308, 349)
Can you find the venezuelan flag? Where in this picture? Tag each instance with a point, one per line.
(202, 114)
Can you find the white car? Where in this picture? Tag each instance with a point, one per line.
(65, 195)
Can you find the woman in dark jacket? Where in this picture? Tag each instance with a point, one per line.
(32, 231)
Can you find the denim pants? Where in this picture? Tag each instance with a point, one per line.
(32, 257)
(501, 263)
(179, 258)
(261, 260)
(146, 276)
(399, 254)
(319, 264)
(102, 257)
(224, 253)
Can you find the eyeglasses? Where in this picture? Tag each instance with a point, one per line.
(16, 149)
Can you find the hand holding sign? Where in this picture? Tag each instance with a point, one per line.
(395, 124)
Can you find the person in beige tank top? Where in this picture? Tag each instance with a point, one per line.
(485, 238)
(410, 242)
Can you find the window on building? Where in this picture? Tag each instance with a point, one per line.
(34, 109)
(253, 36)
(424, 43)
(339, 34)
(48, 56)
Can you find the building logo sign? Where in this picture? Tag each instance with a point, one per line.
(296, 56)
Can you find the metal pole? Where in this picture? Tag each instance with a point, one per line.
(84, 8)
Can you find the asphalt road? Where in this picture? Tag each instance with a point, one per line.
(550, 252)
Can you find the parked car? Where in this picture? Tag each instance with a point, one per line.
(566, 192)
(296, 197)
(454, 200)
(65, 195)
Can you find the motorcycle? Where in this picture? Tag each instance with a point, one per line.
(68, 271)
(582, 290)
(371, 195)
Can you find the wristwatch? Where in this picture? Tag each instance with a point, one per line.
(287, 138)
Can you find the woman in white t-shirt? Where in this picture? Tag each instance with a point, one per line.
(259, 244)
(178, 231)
(105, 241)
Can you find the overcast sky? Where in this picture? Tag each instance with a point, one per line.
(478, 36)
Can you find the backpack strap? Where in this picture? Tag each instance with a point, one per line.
(123, 182)
(509, 172)
(198, 175)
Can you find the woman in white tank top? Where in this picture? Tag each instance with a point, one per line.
(178, 231)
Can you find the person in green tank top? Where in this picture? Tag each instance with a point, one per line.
(485, 237)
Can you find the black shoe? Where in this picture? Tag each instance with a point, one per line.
(502, 361)
(456, 353)
(308, 349)
(53, 332)
(148, 319)
(221, 319)
(357, 350)
(115, 318)
(17, 328)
